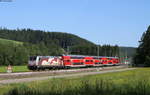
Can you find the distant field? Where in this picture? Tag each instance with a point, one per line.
(10, 41)
(134, 82)
(3, 69)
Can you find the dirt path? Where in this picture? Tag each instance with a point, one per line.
(9, 81)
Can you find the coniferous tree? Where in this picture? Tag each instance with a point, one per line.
(143, 51)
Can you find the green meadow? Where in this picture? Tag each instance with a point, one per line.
(4, 41)
(3, 69)
(133, 82)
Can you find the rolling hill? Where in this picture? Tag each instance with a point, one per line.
(17, 45)
(6, 41)
(37, 36)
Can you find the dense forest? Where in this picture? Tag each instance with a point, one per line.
(17, 45)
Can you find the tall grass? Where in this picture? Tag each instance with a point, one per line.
(134, 82)
(98, 87)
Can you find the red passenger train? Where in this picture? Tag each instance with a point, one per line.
(69, 61)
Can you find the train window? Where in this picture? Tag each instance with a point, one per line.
(86, 60)
(77, 63)
(39, 59)
(67, 60)
(76, 57)
(95, 57)
(32, 58)
(104, 60)
(98, 63)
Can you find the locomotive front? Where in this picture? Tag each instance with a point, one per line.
(45, 62)
(32, 63)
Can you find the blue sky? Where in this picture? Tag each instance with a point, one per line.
(120, 22)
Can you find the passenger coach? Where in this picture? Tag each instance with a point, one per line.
(68, 61)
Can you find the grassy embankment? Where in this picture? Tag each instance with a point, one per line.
(4, 41)
(3, 69)
(134, 82)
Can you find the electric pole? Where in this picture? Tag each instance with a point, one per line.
(68, 50)
(97, 50)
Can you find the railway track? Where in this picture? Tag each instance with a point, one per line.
(4, 76)
(22, 80)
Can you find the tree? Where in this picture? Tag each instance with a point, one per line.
(143, 51)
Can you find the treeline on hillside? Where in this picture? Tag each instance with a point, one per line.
(36, 36)
(37, 42)
(18, 54)
(127, 51)
(105, 50)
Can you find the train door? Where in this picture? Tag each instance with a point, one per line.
(66, 61)
(110, 61)
(116, 61)
(104, 60)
